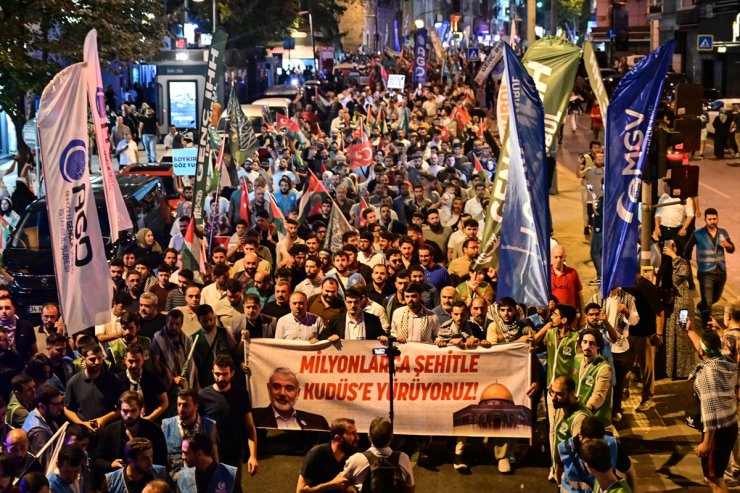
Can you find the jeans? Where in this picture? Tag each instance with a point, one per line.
(596, 242)
(150, 145)
(711, 285)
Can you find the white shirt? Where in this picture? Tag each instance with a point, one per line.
(375, 258)
(210, 295)
(377, 309)
(673, 216)
(308, 288)
(290, 423)
(355, 331)
(291, 329)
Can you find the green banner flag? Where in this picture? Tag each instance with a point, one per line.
(552, 63)
(594, 76)
(213, 77)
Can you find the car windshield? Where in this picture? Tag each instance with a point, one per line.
(32, 232)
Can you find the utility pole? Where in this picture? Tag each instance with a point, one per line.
(531, 17)
(377, 35)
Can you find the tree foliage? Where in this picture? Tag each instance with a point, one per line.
(40, 37)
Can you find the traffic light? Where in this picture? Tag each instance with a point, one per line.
(665, 139)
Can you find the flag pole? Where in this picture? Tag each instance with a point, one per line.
(53, 439)
(219, 163)
(190, 356)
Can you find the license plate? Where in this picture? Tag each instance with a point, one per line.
(35, 308)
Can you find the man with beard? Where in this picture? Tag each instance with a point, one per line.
(139, 469)
(51, 323)
(263, 288)
(408, 255)
(311, 285)
(323, 214)
(414, 322)
(67, 476)
(231, 408)
(20, 332)
(170, 350)
(447, 296)
(278, 307)
(508, 327)
(355, 323)
(434, 274)
(211, 341)
(435, 231)
(299, 324)
(43, 422)
(116, 274)
(380, 288)
(145, 382)
(147, 279)
(460, 267)
(284, 390)
(429, 294)
(204, 473)
(475, 206)
(569, 415)
(256, 324)
(359, 270)
(109, 453)
(366, 254)
(216, 291)
(258, 207)
(296, 263)
(326, 305)
(150, 317)
(60, 364)
(342, 271)
(469, 230)
(184, 426)
(594, 376)
(134, 288)
(323, 463)
(230, 308)
(130, 337)
(176, 297)
(21, 402)
(91, 395)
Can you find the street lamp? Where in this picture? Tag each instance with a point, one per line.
(419, 23)
(313, 41)
(215, 21)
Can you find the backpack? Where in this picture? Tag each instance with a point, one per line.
(384, 475)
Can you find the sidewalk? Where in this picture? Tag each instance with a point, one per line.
(659, 443)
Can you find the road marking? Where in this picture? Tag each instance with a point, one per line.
(714, 190)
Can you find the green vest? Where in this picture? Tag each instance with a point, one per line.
(585, 383)
(117, 353)
(564, 424)
(620, 486)
(560, 356)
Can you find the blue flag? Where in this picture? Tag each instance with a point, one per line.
(421, 55)
(524, 254)
(629, 127)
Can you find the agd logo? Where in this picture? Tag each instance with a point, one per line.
(72, 168)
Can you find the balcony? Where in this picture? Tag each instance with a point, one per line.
(688, 17)
(655, 11)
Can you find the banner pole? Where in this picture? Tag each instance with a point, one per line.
(53, 439)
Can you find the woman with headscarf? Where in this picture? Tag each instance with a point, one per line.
(147, 248)
(674, 272)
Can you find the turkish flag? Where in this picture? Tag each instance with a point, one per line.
(282, 121)
(360, 154)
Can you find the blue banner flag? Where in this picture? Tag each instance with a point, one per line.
(421, 55)
(524, 254)
(629, 127)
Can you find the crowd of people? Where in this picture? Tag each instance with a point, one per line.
(153, 399)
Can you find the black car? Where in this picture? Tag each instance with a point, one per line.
(28, 265)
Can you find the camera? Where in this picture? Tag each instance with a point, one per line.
(390, 351)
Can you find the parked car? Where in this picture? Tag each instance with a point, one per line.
(28, 265)
(276, 105)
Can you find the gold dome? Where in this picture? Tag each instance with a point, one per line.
(496, 391)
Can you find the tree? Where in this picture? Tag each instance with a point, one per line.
(40, 37)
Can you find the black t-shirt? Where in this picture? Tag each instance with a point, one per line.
(150, 125)
(647, 302)
(274, 310)
(91, 399)
(151, 387)
(228, 410)
(320, 466)
(150, 327)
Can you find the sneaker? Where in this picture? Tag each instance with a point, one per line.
(504, 466)
(645, 405)
(595, 282)
(617, 417)
(460, 465)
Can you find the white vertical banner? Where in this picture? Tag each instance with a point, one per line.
(79, 254)
(118, 217)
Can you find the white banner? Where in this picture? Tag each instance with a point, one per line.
(438, 391)
(491, 60)
(118, 217)
(79, 254)
(184, 161)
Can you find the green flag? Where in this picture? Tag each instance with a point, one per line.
(213, 78)
(594, 76)
(242, 139)
(552, 63)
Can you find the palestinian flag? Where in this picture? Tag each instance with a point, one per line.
(480, 171)
(244, 203)
(382, 125)
(371, 120)
(362, 205)
(313, 195)
(278, 218)
(192, 250)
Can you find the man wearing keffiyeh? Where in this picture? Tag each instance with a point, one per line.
(414, 322)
